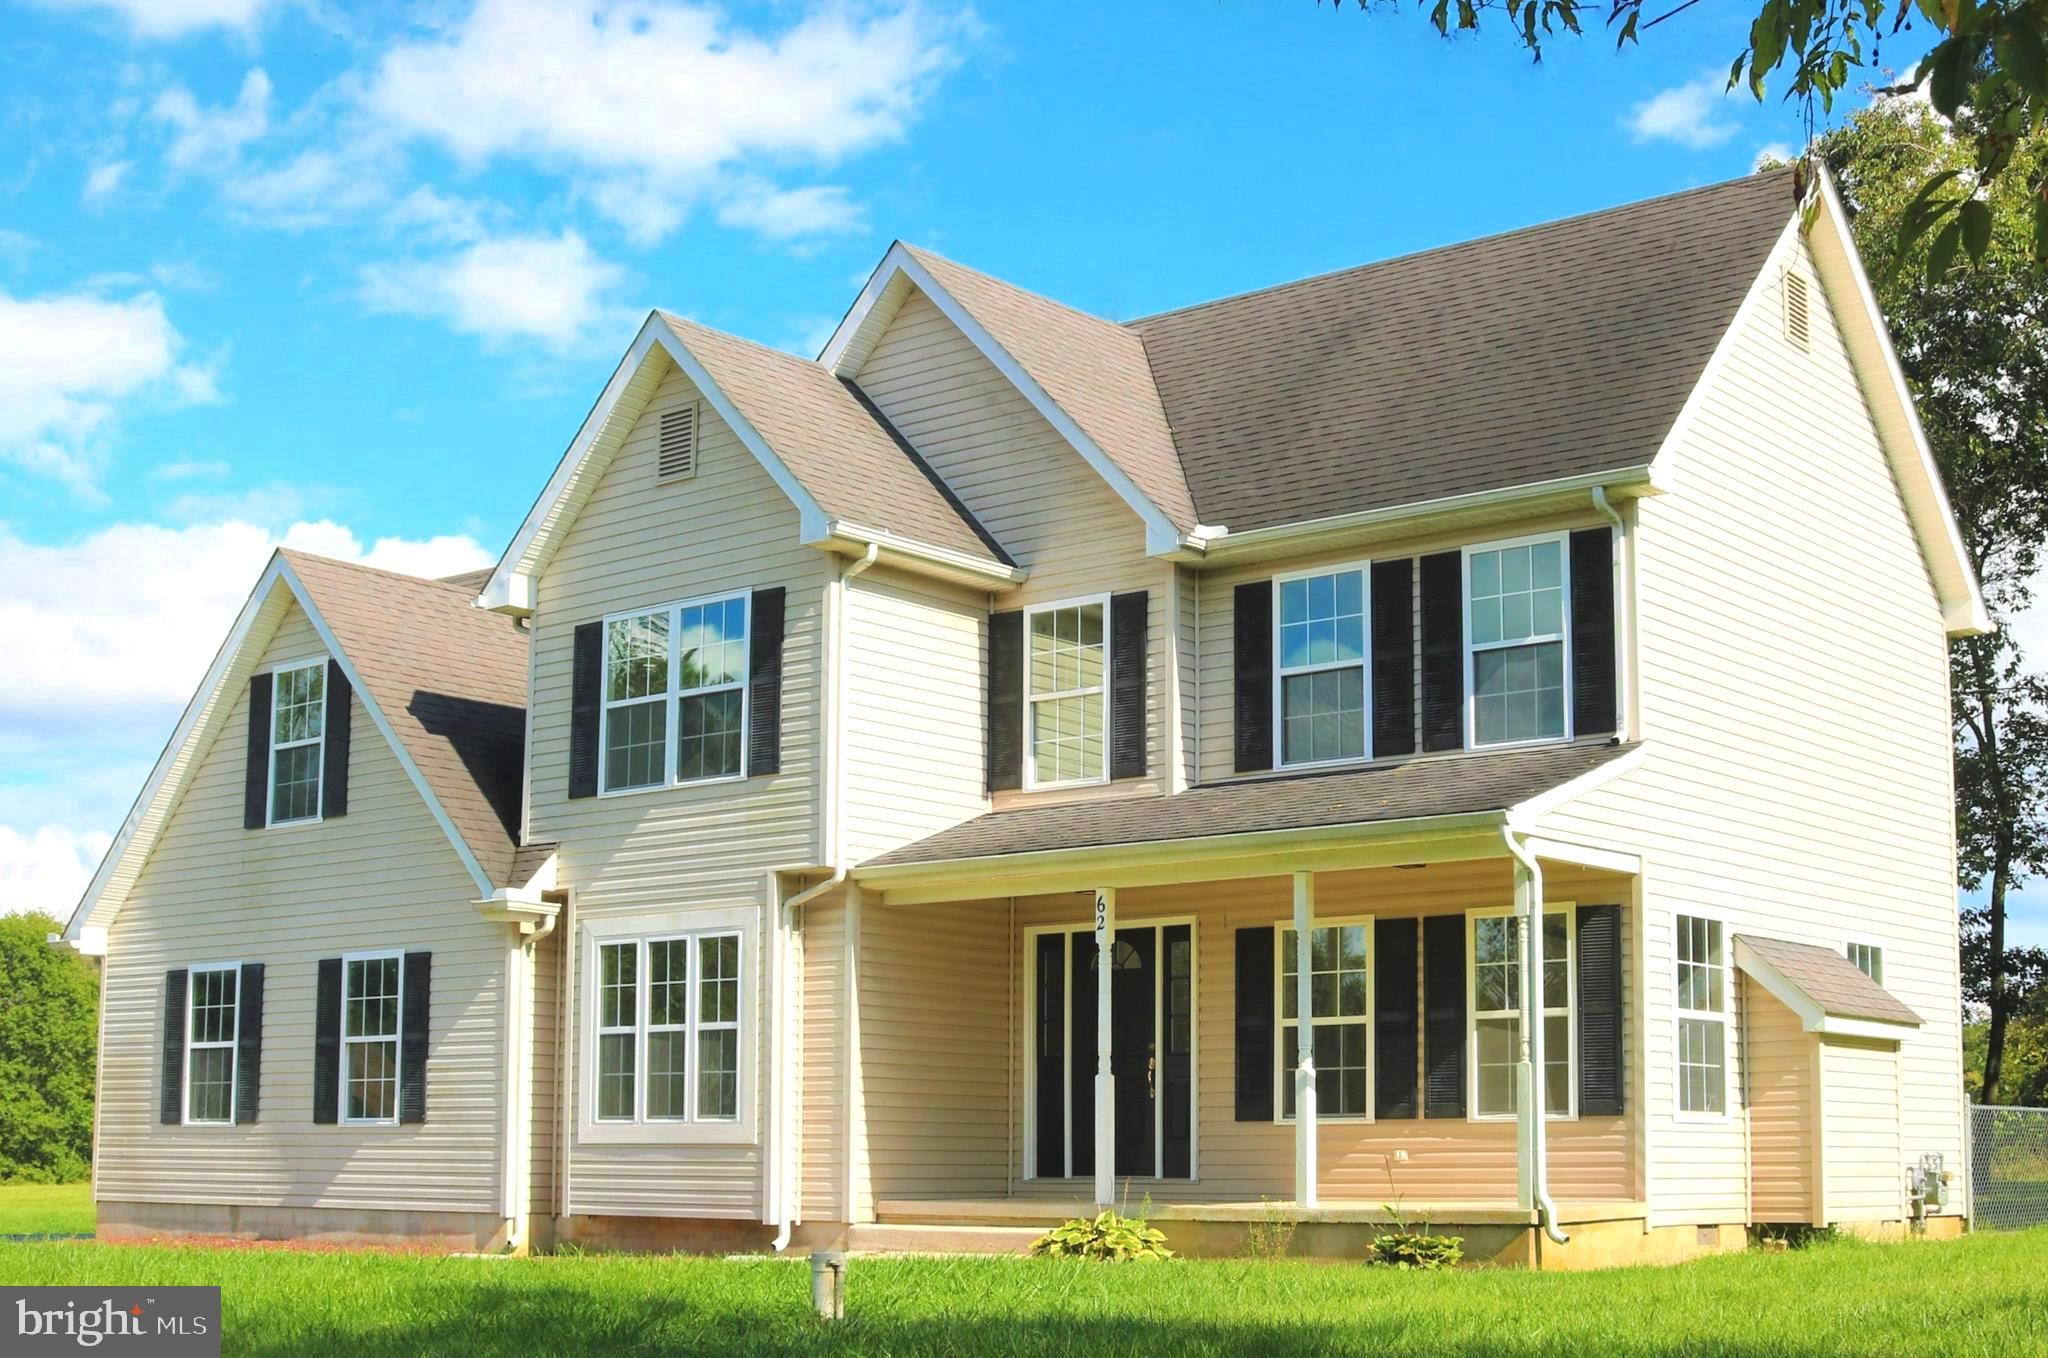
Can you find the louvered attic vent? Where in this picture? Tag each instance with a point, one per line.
(1798, 312)
(678, 455)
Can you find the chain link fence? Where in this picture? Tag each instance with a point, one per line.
(2008, 1167)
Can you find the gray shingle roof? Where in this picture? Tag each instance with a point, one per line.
(1830, 980)
(1416, 788)
(451, 679)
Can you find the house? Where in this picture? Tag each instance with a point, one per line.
(1019, 761)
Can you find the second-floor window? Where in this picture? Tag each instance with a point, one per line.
(1869, 959)
(675, 708)
(1515, 642)
(298, 724)
(1063, 685)
(1321, 670)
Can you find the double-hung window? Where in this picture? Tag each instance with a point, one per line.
(213, 999)
(1496, 1000)
(1320, 689)
(370, 1005)
(1063, 686)
(1702, 1016)
(675, 694)
(668, 1029)
(1515, 652)
(1868, 959)
(1340, 1003)
(298, 725)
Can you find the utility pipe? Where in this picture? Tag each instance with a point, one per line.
(1623, 609)
(1530, 1111)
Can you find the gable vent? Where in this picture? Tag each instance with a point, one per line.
(678, 455)
(1798, 311)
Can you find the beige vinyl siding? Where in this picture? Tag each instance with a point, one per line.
(639, 545)
(915, 657)
(382, 877)
(545, 1106)
(955, 963)
(1027, 486)
(1794, 698)
(822, 1134)
(1862, 1160)
(1784, 1129)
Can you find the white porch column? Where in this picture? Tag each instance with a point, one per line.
(1528, 1081)
(1105, 1081)
(1305, 1044)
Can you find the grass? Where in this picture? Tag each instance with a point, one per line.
(1984, 1295)
(45, 1209)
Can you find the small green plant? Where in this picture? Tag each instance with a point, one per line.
(1271, 1234)
(1414, 1249)
(1105, 1236)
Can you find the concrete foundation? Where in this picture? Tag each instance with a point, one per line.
(429, 1232)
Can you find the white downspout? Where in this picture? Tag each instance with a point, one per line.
(1624, 612)
(1529, 1111)
(518, 1075)
(832, 832)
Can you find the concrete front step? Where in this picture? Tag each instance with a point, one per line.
(952, 1238)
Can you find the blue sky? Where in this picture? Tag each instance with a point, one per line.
(348, 277)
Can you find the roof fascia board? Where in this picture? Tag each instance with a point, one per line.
(1161, 534)
(1962, 609)
(921, 558)
(1522, 817)
(1584, 855)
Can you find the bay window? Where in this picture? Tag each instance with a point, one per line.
(1515, 654)
(675, 694)
(1495, 990)
(1320, 688)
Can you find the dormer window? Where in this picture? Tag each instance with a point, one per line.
(1515, 652)
(298, 722)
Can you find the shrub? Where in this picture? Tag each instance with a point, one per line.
(1415, 1249)
(1106, 1236)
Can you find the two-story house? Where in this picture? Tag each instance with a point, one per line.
(1469, 731)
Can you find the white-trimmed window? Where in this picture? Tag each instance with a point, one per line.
(370, 1005)
(1702, 1016)
(1065, 663)
(1340, 1001)
(1494, 990)
(1869, 959)
(675, 694)
(298, 729)
(1517, 666)
(212, 1007)
(1319, 686)
(668, 1029)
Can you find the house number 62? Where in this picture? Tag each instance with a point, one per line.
(1101, 913)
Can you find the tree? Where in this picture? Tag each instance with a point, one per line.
(49, 1014)
(1989, 59)
(1974, 345)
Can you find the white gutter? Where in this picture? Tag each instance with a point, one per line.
(1624, 607)
(1529, 1110)
(831, 832)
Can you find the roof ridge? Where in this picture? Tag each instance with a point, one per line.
(1555, 223)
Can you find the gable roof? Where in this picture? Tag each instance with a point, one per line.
(1818, 983)
(443, 682)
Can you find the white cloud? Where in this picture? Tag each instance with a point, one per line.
(171, 18)
(649, 105)
(1694, 115)
(47, 869)
(69, 364)
(193, 469)
(552, 289)
(105, 180)
(210, 139)
(785, 214)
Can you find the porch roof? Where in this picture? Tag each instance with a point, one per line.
(1415, 789)
(1819, 984)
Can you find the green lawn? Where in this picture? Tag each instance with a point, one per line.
(1984, 1295)
(45, 1209)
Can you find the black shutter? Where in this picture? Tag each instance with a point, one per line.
(1393, 658)
(1005, 715)
(334, 758)
(1176, 1066)
(249, 1042)
(415, 985)
(1395, 1000)
(256, 764)
(1443, 996)
(764, 682)
(1254, 983)
(1593, 659)
(1601, 1086)
(327, 1040)
(1252, 635)
(586, 700)
(1050, 1070)
(1129, 620)
(171, 1102)
(1443, 651)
